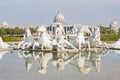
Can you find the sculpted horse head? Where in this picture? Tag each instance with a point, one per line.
(27, 32)
(28, 40)
(41, 29)
(42, 33)
(79, 40)
(43, 37)
(84, 29)
(96, 33)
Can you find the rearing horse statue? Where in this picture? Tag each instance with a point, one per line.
(28, 40)
(43, 38)
(79, 40)
(94, 39)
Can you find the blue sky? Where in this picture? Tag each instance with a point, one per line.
(75, 11)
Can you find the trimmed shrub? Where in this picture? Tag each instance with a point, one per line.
(11, 39)
(109, 37)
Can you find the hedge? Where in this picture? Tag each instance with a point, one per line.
(103, 38)
(11, 39)
(109, 37)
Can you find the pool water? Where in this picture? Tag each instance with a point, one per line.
(33, 65)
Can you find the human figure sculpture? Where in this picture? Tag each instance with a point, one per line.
(60, 30)
(62, 43)
(60, 39)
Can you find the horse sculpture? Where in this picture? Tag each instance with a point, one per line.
(94, 39)
(60, 39)
(43, 38)
(79, 40)
(28, 40)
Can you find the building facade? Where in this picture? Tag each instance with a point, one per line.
(114, 26)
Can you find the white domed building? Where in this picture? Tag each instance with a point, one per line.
(114, 26)
(59, 18)
(59, 21)
(4, 24)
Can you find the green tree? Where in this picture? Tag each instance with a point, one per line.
(2, 31)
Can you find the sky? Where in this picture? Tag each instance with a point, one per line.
(23, 12)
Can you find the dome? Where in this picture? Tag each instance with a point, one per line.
(59, 18)
(4, 23)
(114, 22)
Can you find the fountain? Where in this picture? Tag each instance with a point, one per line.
(79, 60)
(59, 41)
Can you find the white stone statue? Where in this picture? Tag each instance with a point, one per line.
(60, 30)
(3, 44)
(28, 40)
(94, 39)
(60, 39)
(62, 43)
(43, 38)
(79, 40)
